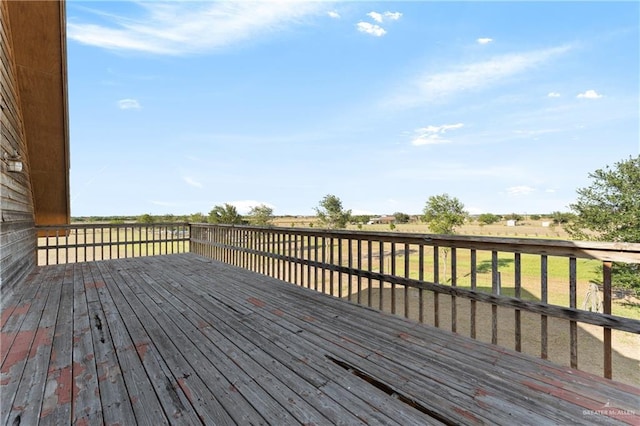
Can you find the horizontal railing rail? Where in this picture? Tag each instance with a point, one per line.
(469, 283)
(88, 242)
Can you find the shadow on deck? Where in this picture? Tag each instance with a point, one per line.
(183, 339)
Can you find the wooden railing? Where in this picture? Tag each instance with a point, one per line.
(87, 242)
(474, 285)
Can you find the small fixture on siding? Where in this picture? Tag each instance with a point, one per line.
(13, 162)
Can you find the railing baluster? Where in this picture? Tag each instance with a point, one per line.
(421, 278)
(332, 262)
(495, 289)
(518, 295)
(369, 269)
(474, 284)
(543, 299)
(573, 326)
(340, 264)
(393, 272)
(350, 265)
(324, 261)
(436, 279)
(315, 259)
(407, 269)
(381, 268)
(606, 307)
(359, 267)
(454, 283)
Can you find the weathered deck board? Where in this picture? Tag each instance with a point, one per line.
(181, 339)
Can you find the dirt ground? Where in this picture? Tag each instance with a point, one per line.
(626, 346)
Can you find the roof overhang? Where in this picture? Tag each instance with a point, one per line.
(38, 31)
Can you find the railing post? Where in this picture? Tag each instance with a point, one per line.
(606, 307)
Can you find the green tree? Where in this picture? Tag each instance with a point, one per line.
(361, 218)
(514, 216)
(261, 215)
(609, 210)
(560, 218)
(331, 214)
(488, 218)
(145, 218)
(197, 218)
(401, 217)
(225, 214)
(443, 214)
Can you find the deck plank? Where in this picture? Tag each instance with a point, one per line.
(86, 403)
(144, 401)
(28, 397)
(116, 403)
(230, 331)
(180, 339)
(540, 372)
(21, 336)
(56, 405)
(284, 343)
(174, 402)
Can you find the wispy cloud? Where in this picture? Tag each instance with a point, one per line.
(553, 95)
(394, 16)
(484, 40)
(516, 191)
(333, 14)
(375, 29)
(371, 29)
(375, 16)
(430, 87)
(589, 94)
(192, 182)
(432, 135)
(380, 17)
(129, 104)
(178, 28)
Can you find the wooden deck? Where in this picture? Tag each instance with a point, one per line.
(182, 339)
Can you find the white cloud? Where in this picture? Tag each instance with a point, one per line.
(484, 40)
(375, 16)
(379, 17)
(553, 95)
(129, 104)
(432, 135)
(192, 182)
(372, 29)
(178, 28)
(394, 16)
(589, 94)
(468, 77)
(520, 190)
(333, 14)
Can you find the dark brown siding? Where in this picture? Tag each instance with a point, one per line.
(17, 233)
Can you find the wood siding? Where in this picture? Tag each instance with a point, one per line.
(17, 233)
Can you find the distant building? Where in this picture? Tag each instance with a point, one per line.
(382, 219)
(511, 222)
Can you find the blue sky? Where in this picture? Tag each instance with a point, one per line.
(176, 107)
